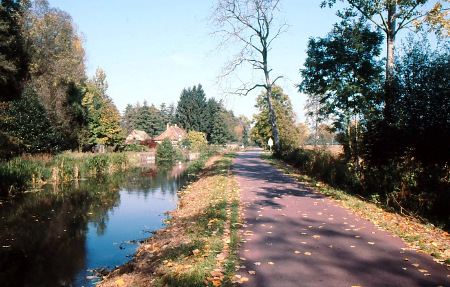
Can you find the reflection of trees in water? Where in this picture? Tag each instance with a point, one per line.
(163, 179)
(45, 232)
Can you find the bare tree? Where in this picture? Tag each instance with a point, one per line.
(251, 26)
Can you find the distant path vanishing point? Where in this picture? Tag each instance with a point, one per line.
(294, 236)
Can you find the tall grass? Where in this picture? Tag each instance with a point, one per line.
(24, 173)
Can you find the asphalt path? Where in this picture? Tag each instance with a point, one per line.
(294, 236)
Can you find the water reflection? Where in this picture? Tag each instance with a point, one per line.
(53, 237)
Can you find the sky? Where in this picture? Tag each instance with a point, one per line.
(151, 50)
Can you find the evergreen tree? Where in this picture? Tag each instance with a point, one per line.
(191, 109)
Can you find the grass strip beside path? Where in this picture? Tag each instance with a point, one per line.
(198, 247)
(419, 236)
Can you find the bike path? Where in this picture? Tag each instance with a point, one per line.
(294, 236)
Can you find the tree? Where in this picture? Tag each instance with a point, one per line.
(56, 67)
(13, 55)
(213, 108)
(103, 116)
(395, 15)
(27, 122)
(289, 133)
(341, 71)
(168, 113)
(251, 23)
(221, 130)
(196, 141)
(420, 126)
(129, 119)
(165, 153)
(191, 109)
(148, 119)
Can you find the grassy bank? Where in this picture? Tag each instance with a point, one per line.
(198, 246)
(30, 172)
(418, 235)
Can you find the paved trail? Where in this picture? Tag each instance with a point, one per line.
(296, 237)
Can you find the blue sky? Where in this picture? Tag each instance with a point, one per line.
(151, 50)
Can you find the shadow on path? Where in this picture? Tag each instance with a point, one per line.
(294, 236)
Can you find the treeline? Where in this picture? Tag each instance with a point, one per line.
(394, 127)
(194, 112)
(47, 103)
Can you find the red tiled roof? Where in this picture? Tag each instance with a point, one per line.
(172, 132)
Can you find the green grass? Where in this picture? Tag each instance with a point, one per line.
(207, 230)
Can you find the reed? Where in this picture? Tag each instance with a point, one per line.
(25, 173)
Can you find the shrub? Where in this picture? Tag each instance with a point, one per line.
(165, 153)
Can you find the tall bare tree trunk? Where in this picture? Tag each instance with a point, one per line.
(390, 41)
(390, 65)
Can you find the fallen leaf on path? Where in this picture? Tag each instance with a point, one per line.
(270, 263)
(243, 280)
(423, 270)
(251, 272)
(371, 243)
(257, 263)
(415, 265)
(308, 253)
(316, 236)
(297, 252)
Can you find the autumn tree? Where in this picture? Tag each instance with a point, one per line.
(57, 67)
(196, 141)
(103, 116)
(251, 27)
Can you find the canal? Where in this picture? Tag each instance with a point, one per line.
(60, 236)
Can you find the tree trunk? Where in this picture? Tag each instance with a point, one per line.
(272, 118)
(390, 41)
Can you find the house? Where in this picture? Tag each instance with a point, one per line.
(136, 136)
(174, 133)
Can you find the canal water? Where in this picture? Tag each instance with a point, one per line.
(60, 236)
